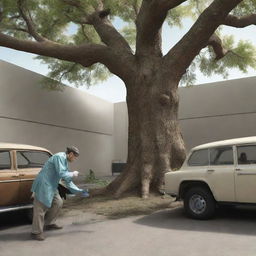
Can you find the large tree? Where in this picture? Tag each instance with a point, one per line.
(79, 42)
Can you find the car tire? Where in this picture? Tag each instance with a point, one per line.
(199, 203)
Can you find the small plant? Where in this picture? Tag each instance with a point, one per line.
(90, 178)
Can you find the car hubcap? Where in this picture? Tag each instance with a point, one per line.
(197, 204)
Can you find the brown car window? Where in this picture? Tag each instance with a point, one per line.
(5, 160)
(31, 159)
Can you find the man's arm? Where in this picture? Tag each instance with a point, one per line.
(73, 188)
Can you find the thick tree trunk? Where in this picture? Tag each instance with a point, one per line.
(155, 143)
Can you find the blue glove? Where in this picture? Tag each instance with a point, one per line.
(85, 193)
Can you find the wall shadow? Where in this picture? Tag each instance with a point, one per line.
(238, 221)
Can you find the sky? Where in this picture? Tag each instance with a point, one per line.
(113, 89)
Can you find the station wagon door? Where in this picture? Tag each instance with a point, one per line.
(29, 163)
(220, 173)
(245, 174)
(9, 180)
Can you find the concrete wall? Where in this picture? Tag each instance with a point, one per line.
(120, 132)
(218, 111)
(32, 115)
(208, 112)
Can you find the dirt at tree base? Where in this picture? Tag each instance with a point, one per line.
(128, 205)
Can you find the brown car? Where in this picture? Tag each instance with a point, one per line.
(19, 165)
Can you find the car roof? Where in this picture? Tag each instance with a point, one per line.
(20, 146)
(235, 141)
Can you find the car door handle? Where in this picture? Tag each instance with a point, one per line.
(15, 176)
(210, 170)
(22, 175)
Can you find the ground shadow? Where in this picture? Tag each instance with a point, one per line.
(13, 219)
(20, 236)
(231, 221)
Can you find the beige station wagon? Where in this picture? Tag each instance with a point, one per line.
(221, 172)
(19, 165)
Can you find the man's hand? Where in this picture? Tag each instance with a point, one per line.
(75, 173)
(85, 193)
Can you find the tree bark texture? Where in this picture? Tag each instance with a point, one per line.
(155, 144)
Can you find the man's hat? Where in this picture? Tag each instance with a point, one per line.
(73, 150)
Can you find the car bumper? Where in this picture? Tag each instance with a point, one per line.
(15, 208)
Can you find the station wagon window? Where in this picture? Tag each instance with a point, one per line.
(246, 154)
(5, 160)
(199, 158)
(31, 159)
(221, 156)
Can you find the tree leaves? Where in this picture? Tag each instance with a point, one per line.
(241, 55)
(62, 21)
(68, 72)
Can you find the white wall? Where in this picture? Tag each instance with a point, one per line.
(217, 111)
(120, 132)
(32, 115)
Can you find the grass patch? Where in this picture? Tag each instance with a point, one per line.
(91, 179)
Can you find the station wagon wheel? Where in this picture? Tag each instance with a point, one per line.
(199, 203)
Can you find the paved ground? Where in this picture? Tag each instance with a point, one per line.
(163, 233)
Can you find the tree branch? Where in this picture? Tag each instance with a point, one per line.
(98, 19)
(86, 54)
(216, 44)
(198, 36)
(30, 25)
(240, 22)
(170, 4)
(108, 34)
(149, 23)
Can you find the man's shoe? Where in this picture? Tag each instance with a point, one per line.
(53, 227)
(38, 237)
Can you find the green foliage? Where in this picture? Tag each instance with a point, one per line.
(175, 16)
(124, 9)
(129, 33)
(246, 7)
(91, 179)
(189, 78)
(64, 71)
(240, 56)
(195, 7)
(61, 22)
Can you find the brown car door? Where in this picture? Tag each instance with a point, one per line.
(9, 180)
(29, 163)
